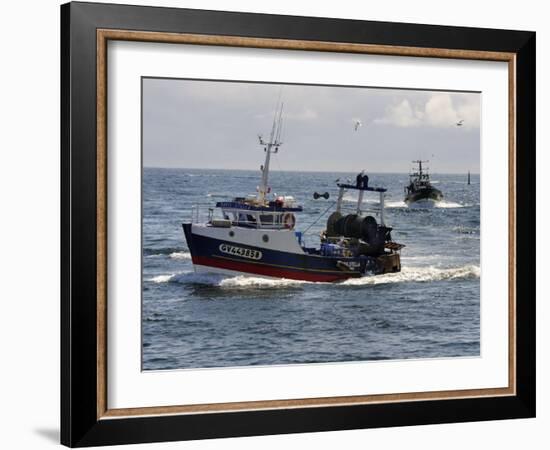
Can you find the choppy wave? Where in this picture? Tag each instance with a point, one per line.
(161, 278)
(465, 183)
(422, 258)
(408, 274)
(160, 251)
(462, 229)
(170, 252)
(180, 255)
(217, 194)
(349, 198)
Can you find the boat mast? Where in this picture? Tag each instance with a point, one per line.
(420, 174)
(272, 146)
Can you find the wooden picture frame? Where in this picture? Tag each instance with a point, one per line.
(86, 418)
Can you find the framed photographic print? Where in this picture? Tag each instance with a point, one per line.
(276, 224)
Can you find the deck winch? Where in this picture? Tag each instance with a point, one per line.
(361, 228)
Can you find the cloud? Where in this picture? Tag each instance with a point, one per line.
(439, 110)
(401, 115)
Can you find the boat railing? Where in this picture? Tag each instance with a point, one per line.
(202, 213)
(206, 213)
(309, 240)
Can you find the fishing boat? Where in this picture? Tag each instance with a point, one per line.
(420, 189)
(256, 235)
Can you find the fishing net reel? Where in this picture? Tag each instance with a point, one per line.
(365, 229)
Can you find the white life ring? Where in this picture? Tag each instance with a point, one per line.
(289, 220)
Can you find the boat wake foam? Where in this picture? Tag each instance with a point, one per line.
(171, 253)
(419, 275)
(431, 205)
(410, 274)
(180, 255)
(220, 280)
(161, 278)
(448, 204)
(418, 205)
(242, 281)
(396, 204)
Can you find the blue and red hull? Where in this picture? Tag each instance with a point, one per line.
(221, 255)
(212, 254)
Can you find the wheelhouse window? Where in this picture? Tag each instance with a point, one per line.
(246, 219)
(267, 220)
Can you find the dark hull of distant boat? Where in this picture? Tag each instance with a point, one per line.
(428, 194)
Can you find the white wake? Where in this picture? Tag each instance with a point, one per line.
(408, 274)
(180, 255)
(418, 275)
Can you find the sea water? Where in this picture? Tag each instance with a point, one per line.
(431, 309)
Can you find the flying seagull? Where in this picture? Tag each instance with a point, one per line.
(357, 123)
(460, 123)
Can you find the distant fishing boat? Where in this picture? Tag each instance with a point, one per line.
(255, 235)
(420, 188)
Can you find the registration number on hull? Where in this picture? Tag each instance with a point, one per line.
(240, 251)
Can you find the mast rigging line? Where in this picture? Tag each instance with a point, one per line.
(320, 215)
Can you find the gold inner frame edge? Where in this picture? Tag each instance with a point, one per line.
(103, 36)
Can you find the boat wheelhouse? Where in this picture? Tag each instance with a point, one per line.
(275, 214)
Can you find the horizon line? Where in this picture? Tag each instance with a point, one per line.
(304, 170)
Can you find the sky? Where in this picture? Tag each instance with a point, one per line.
(215, 125)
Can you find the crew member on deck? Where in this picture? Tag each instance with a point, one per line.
(359, 179)
(362, 180)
